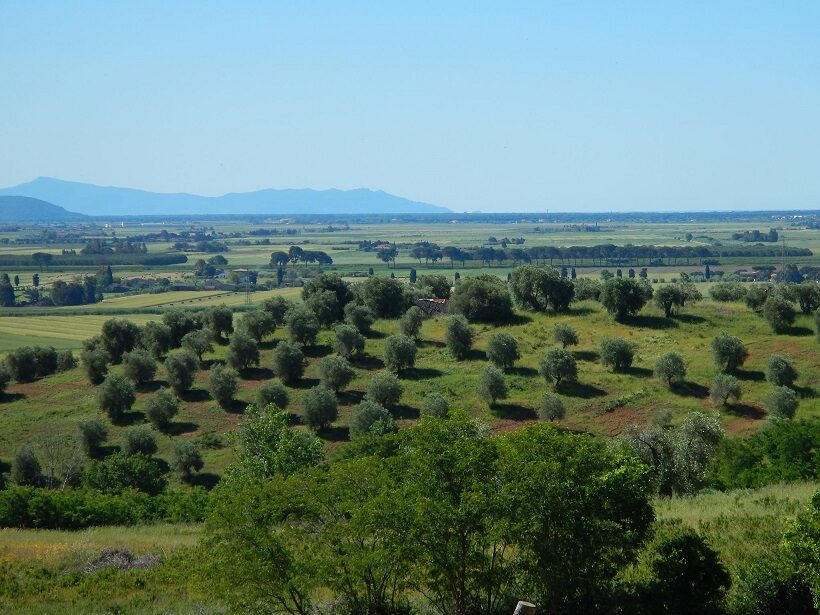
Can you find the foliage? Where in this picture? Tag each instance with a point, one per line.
(116, 396)
(319, 407)
(385, 390)
(186, 458)
(728, 352)
(779, 313)
(668, 298)
(95, 364)
(119, 337)
(727, 291)
(278, 307)
(384, 297)
(335, 373)
(551, 408)
(179, 324)
(120, 472)
(502, 350)
(670, 368)
(537, 288)
(371, 418)
(218, 319)
(91, 434)
(223, 384)
(161, 408)
(565, 335)
(802, 546)
(22, 363)
(617, 353)
(139, 440)
(557, 365)
(180, 368)
(288, 362)
(435, 405)
(483, 298)
(724, 388)
(348, 342)
(399, 353)
(808, 296)
(411, 322)
(26, 468)
(325, 307)
(199, 342)
(780, 370)
(139, 366)
(302, 325)
(65, 360)
(491, 386)
(458, 336)
(587, 289)
(623, 297)
(155, 337)
(359, 316)
(273, 392)
(243, 351)
(332, 283)
(780, 402)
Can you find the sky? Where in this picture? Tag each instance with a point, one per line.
(476, 106)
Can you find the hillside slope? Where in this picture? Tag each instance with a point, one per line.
(15, 208)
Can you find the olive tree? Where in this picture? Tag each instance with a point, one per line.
(668, 298)
(272, 393)
(551, 408)
(502, 350)
(139, 440)
(779, 313)
(288, 362)
(181, 368)
(728, 352)
(119, 337)
(116, 396)
(186, 459)
(91, 434)
(623, 297)
(399, 353)
(243, 352)
(724, 388)
(348, 342)
(617, 353)
(95, 363)
(780, 370)
(670, 368)
(155, 337)
(385, 389)
(257, 324)
(458, 336)
(780, 402)
(359, 316)
(565, 335)
(557, 365)
(302, 326)
(161, 408)
(199, 342)
(223, 383)
(218, 319)
(491, 386)
(139, 366)
(435, 405)
(335, 373)
(482, 298)
(410, 323)
(319, 407)
(371, 418)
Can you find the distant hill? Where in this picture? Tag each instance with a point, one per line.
(107, 200)
(15, 208)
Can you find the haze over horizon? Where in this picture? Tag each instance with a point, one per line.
(565, 107)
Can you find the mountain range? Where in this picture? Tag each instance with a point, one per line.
(28, 209)
(93, 200)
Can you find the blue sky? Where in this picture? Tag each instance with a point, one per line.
(559, 106)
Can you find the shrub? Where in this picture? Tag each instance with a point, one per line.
(779, 313)
(623, 297)
(243, 351)
(22, 363)
(728, 352)
(223, 384)
(808, 296)
(670, 368)
(155, 337)
(302, 326)
(724, 388)
(199, 342)
(435, 405)
(5, 377)
(668, 298)
(537, 288)
(335, 373)
(384, 297)
(557, 365)
(587, 289)
(482, 298)
(181, 368)
(319, 408)
(385, 390)
(116, 396)
(458, 336)
(161, 408)
(502, 350)
(95, 364)
(120, 472)
(399, 353)
(360, 317)
(139, 366)
(186, 459)
(728, 291)
(348, 341)
(439, 285)
(780, 402)
(333, 284)
(756, 296)
(325, 307)
(277, 307)
(617, 353)
(371, 418)
(45, 358)
(91, 433)
(218, 319)
(179, 324)
(272, 392)
(65, 360)
(139, 440)
(288, 362)
(257, 325)
(119, 337)
(491, 386)
(780, 370)
(565, 335)
(410, 323)
(551, 408)
(25, 469)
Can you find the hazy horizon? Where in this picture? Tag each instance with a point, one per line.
(565, 107)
